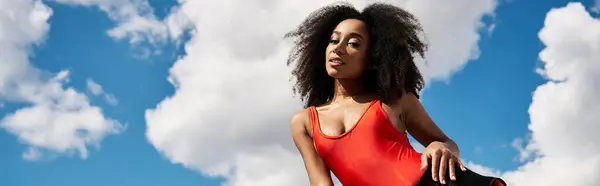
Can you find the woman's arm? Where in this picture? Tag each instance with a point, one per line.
(318, 173)
(441, 152)
(421, 126)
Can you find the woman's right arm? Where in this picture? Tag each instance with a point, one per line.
(318, 173)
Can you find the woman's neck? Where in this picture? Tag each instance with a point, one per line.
(346, 88)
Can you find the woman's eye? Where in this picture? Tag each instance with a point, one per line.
(355, 45)
(333, 41)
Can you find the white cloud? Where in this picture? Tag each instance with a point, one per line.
(57, 120)
(564, 112)
(111, 99)
(231, 110)
(452, 29)
(97, 90)
(491, 29)
(32, 154)
(94, 87)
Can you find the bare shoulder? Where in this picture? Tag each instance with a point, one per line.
(300, 122)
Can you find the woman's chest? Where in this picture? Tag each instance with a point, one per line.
(339, 120)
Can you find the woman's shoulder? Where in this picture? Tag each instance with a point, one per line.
(301, 117)
(300, 122)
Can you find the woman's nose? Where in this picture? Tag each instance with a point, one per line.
(339, 49)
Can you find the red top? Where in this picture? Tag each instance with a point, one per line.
(372, 152)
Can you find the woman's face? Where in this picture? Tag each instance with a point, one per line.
(347, 51)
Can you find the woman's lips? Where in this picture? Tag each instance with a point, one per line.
(335, 62)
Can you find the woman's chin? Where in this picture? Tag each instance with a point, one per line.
(336, 74)
(333, 73)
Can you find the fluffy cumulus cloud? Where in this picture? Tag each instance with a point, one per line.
(452, 31)
(56, 119)
(230, 114)
(564, 147)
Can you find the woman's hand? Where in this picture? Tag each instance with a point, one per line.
(442, 160)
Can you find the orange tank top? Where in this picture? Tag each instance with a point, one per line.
(372, 153)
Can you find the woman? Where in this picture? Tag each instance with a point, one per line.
(356, 74)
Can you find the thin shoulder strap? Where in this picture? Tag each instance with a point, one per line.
(314, 120)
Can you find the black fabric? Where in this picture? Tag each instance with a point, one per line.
(463, 178)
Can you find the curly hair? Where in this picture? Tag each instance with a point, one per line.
(391, 69)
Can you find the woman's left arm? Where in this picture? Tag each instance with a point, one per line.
(441, 151)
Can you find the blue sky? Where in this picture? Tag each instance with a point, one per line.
(483, 107)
